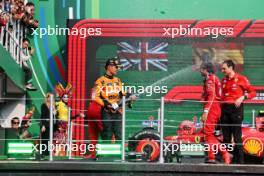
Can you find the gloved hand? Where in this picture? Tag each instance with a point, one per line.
(115, 106)
(82, 115)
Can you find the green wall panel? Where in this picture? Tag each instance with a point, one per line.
(11, 68)
(181, 9)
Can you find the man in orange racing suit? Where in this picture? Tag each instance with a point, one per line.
(212, 111)
(108, 93)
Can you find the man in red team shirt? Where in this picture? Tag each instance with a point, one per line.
(236, 88)
(95, 124)
(212, 111)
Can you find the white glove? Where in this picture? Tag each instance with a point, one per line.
(115, 106)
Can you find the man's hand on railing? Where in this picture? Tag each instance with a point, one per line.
(43, 129)
(31, 51)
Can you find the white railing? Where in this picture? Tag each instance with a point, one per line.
(11, 37)
(166, 120)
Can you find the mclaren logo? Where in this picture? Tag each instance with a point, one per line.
(253, 146)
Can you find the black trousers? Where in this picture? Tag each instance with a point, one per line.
(45, 140)
(112, 124)
(231, 121)
(28, 74)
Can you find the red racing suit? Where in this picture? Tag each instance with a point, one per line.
(95, 125)
(211, 95)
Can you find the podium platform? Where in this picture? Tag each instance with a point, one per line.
(123, 168)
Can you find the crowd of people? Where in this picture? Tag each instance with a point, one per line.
(18, 10)
(17, 21)
(59, 111)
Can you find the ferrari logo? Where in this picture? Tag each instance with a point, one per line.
(197, 139)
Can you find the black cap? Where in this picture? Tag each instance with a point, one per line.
(113, 61)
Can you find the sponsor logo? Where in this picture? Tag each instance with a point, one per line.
(253, 146)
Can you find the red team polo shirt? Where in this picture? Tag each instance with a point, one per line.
(236, 87)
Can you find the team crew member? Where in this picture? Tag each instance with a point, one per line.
(108, 94)
(236, 88)
(212, 111)
(94, 122)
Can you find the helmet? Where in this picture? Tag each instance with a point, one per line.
(186, 127)
(113, 61)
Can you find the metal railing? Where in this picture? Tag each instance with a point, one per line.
(126, 123)
(11, 37)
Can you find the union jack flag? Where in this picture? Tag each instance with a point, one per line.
(143, 56)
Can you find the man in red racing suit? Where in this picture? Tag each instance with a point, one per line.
(212, 112)
(95, 125)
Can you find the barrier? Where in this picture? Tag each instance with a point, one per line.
(142, 127)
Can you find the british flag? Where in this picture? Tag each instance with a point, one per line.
(143, 56)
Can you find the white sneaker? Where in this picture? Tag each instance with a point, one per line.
(30, 87)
